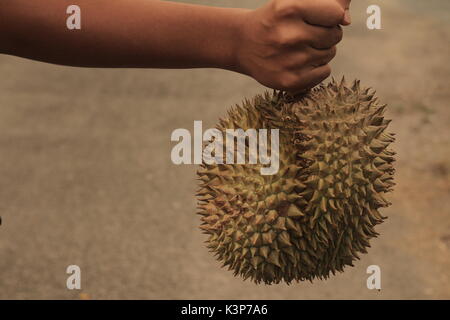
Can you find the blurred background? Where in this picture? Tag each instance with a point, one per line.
(86, 176)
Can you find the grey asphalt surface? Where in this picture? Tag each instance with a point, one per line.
(86, 176)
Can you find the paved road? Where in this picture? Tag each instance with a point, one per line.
(86, 178)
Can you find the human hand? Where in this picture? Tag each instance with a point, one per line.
(288, 44)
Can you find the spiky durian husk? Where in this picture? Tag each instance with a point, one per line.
(319, 211)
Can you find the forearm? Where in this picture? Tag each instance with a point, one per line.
(121, 33)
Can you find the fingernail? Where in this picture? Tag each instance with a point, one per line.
(347, 18)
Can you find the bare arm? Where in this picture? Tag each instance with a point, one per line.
(121, 33)
(286, 44)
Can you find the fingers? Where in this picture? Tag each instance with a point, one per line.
(321, 57)
(346, 5)
(302, 80)
(323, 38)
(316, 76)
(291, 42)
(298, 32)
(308, 59)
(325, 13)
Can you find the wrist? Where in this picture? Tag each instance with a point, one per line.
(227, 56)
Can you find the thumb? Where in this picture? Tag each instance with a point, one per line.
(325, 13)
(346, 5)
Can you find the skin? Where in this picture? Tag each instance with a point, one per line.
(286, 44)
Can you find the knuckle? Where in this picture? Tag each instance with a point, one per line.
(285, 8)
(332, 52)
(338, 34)
(285, 38)
(333, 37)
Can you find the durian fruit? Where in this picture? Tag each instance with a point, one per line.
(317, 214)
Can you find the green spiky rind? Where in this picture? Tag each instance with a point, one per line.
(318, 212)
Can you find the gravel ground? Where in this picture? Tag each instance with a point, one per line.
(86, 176)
